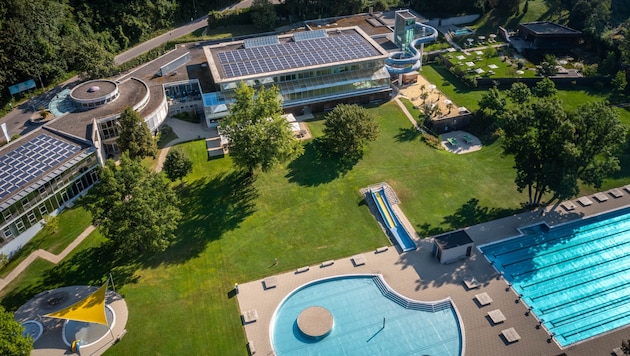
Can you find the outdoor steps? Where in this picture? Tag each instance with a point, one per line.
(409, 304)
(213, 146)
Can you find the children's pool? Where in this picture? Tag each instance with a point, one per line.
(368, 319)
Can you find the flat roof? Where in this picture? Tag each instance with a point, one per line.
(93, 89)
(232, 61)
(549, 28)
(453, 239)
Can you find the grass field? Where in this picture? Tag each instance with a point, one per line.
(71, 223)
(303, 213)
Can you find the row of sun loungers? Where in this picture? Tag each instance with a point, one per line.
(598, 197)
(495, 316)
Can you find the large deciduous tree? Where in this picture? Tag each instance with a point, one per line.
(12, 342)
(258, 135)
(135, 209)
(554, 150)
(348, 128)
(263, 14)
(134, 135)
(177, 165)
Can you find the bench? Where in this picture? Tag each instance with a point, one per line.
(302, 269)
(600, 197)
(496, 316)
(616, 193)
(328, 263)
(269, 283)
(250, 347)
(382, 249)
(358, 260)
(471, 283)
(483, 299)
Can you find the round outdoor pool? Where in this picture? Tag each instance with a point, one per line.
(88, 333)
(369, 319)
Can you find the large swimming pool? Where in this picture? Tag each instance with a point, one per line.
(358, 305)
(575, 277)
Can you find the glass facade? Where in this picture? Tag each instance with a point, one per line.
(47, 196)
(313, 85)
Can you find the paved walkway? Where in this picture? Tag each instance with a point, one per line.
(418, 275)
(46, 256)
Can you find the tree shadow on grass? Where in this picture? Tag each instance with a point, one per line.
(469, 214)
(91, 266)
(211, 207)
(407, 134)
(317, 167)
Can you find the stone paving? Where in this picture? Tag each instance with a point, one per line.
(418, 275)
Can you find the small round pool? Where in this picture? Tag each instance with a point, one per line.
(369, 319)
(88, 333)
(33, 328)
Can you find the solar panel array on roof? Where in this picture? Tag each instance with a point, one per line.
(291, 55)
(33, 158)
(260, 41)
(309, 35)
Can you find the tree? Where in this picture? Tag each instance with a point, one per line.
(51, 224)
(493, 101)
(548, 67)
(348, 128)
(263, 14)
(258, 135)
(619, 84)
(135, 209)
(545, 88)
(177, 165)
(12, 342)
(519, 93)
(134, 135)
(554, 150)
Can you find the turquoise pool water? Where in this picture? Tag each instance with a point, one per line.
(358, 306)
(575, 277)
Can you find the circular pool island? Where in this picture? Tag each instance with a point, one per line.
(315, 322)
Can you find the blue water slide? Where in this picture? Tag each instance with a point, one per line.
(405, 62)
(391, 221)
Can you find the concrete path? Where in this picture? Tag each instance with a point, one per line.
(46, 256)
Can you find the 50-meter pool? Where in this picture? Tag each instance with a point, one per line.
(358, 306)
(575, 277)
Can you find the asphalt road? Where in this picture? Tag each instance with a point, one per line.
(18, 120)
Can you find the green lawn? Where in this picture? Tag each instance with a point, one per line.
(304, 213)
(71, 223)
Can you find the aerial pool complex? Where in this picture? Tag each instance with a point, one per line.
(574, 277)
(368, 318)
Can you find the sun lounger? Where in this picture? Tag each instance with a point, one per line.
(510, 335)
(585, 201)
(616, 193)
(600, 197)
(483, 299)
(568, 205)
(496, 316)
(471, 283)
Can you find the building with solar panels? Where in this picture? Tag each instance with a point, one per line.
(314, 70)
(40, 173)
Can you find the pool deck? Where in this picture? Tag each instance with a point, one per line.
(418, 275)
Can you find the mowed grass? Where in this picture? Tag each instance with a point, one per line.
(71, 223)
(306, 212)
(303, 213)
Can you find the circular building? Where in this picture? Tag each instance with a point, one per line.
(94, 94)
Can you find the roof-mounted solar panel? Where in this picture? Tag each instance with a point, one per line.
(260, 41)
(309, 35)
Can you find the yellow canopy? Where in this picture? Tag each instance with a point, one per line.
(90, 309)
